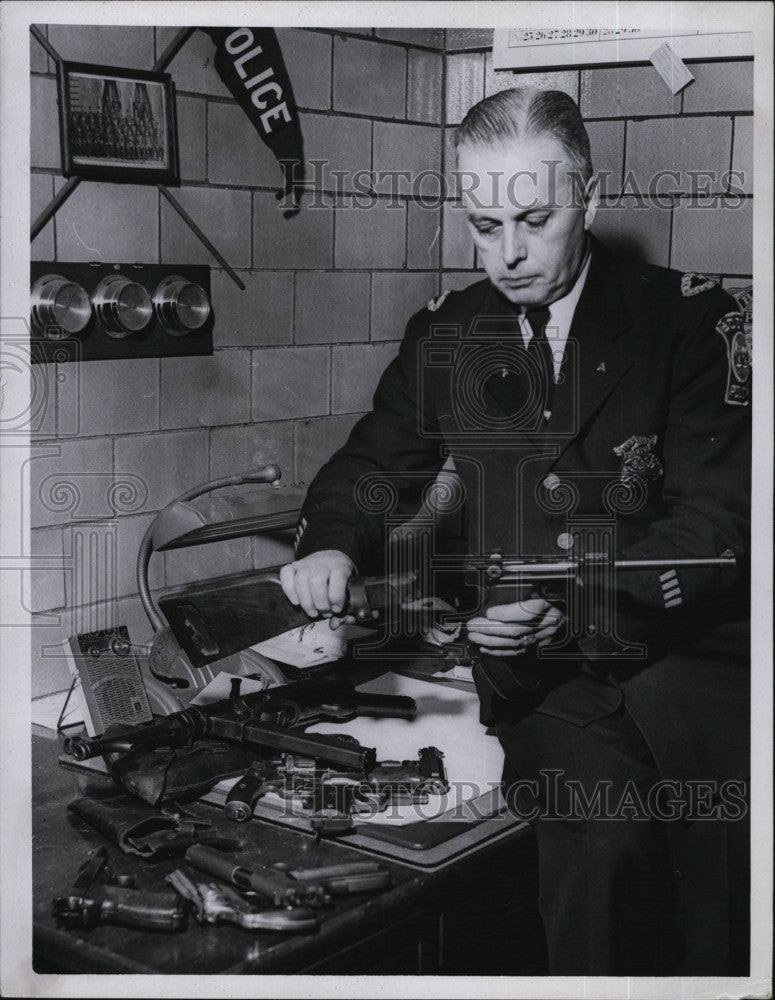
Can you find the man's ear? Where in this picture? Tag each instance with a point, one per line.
(593, 201)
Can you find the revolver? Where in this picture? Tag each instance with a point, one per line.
(334, 796)
(115, 899)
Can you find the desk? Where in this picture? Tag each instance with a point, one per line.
(476, 916)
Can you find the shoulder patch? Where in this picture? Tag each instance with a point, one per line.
(693, 284)
(438, 302)
(732, 329)
(744, 298)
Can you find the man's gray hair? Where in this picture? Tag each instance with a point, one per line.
(526, 112)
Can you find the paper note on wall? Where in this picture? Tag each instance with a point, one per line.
(671, 67)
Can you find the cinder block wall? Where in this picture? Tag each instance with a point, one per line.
(637, 128)
(298, 354)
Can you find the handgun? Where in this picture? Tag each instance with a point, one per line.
(344, 879)
(282, 887)
(289, 776)
(219, 904)
(276, 887)
(341, 797)
(116, 900)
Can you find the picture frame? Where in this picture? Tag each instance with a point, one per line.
(117, 124)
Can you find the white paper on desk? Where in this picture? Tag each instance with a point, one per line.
(46, 710)
(309, 645)
(448, 719)
(219, 688)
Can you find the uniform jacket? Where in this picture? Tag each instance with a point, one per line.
(649, 430)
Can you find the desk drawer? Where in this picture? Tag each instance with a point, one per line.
(406, 948)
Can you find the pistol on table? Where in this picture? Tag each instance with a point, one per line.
(100, 897)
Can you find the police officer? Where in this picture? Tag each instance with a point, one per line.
(582, 397)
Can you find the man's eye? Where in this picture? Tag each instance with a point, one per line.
(487, 228)
(537, 221)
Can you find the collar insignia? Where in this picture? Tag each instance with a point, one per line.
(693, 284)
(438, 302)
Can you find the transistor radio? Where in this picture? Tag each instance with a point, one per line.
(107, 679)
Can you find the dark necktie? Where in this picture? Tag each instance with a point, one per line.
(540, 350)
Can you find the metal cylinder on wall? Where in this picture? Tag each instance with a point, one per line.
(123, 306)
(60, 307)
(181, 305)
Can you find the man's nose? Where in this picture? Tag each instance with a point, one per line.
(513, 248)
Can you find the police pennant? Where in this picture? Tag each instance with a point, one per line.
(250, 63)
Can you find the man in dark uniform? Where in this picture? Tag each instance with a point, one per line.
(587, 403)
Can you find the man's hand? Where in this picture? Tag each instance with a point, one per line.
(507, 629)
(318, 582)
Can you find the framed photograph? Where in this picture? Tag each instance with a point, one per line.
(117, 124)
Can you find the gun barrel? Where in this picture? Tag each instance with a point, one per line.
(381, 706)
(544, 568)
(393, 590)
(305, 692)
(275, 886)
(717, 562)
(172, 730)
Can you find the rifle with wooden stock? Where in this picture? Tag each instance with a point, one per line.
(215, 618)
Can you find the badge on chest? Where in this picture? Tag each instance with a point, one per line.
(639, 459)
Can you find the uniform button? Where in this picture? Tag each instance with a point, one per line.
(551, 482)
(565, 541)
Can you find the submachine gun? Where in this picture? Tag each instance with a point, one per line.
(270, 719)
